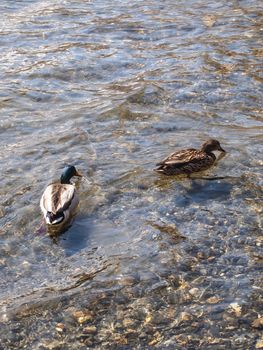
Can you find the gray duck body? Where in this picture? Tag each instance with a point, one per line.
(60, 200)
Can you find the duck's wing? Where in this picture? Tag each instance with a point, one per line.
(183, 157)
(57, 197)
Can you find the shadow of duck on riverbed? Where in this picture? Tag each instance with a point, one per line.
(200, 191)
(76, 237)
(89, 233)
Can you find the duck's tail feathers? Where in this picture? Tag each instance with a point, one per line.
(54, 219)
(159, 169)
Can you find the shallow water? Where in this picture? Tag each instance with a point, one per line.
(112, 87)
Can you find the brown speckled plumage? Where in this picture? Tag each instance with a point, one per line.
(190, 160)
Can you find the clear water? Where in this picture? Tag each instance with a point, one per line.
(113, 87)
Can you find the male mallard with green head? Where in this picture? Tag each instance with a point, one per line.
(188, 161)
(60, 200)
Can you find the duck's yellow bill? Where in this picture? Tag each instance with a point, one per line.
(78, 174)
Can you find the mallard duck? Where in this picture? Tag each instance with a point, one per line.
(60, 200)
(190, 160)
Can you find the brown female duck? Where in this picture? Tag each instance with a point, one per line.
(188, 161)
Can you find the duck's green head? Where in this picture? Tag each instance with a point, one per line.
(68, 172)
